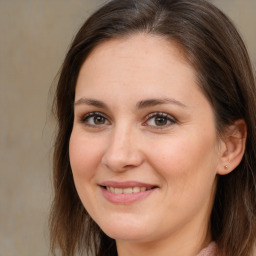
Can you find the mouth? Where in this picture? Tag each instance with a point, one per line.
(126, 192)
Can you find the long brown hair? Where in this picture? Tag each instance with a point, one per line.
(214, 48)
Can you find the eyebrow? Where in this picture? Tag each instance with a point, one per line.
(154, 102)
(91, 102)
(140, 105)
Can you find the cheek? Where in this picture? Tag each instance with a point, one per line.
(84, 156)
(187, 168)
(185, 159)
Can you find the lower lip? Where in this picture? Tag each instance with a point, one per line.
(126, 198)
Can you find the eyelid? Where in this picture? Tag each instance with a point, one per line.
(94, 113)
(172, 120)
(160, 114)
(84, 117)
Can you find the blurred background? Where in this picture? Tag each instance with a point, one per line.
(35, 35)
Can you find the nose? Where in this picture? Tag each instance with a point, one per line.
(123, 151)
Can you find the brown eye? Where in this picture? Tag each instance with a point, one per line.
(95, 119)
(159, 121)
(99, 120)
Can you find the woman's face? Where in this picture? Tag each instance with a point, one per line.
(143, 149)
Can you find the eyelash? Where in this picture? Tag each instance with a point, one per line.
(85, 119)
(167, 118)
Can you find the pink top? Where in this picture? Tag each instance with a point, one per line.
(210, 250)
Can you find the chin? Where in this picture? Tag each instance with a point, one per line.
(124, 230)
(126, 235)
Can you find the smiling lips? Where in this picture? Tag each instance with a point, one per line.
(126, 192)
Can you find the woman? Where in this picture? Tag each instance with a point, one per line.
(155, 149)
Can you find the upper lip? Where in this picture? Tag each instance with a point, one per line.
(126, 184)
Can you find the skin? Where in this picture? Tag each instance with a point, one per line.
(181, 154)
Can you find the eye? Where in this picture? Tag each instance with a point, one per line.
(159, 120)
(95, 119)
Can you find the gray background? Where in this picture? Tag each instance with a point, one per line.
(35, 35)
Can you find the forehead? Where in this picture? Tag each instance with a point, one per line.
(140, 41)
(140, 61)
(153, 48)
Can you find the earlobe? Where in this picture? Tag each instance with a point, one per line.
(233, 147)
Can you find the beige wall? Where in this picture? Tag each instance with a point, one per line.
(35, 35)
(243, 14)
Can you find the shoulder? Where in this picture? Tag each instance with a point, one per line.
(210, 250)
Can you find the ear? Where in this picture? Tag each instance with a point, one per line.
(232, 147)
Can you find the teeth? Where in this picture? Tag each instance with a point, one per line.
(136, 189)
(127, 190)
(118, 191)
